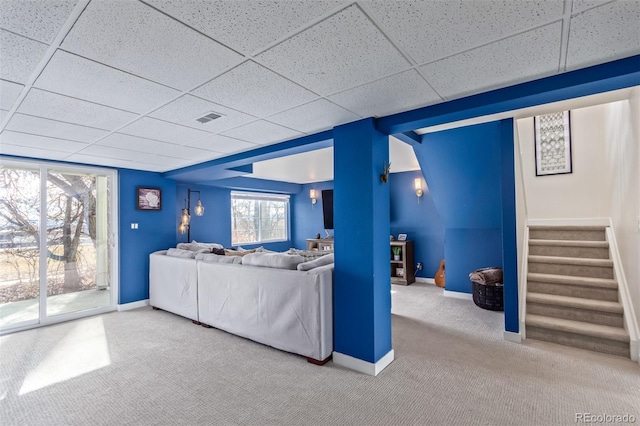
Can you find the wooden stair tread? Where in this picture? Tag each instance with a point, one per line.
(571, 280)
(568, 243)
(577, 327)
(603, 263)
(575, 302)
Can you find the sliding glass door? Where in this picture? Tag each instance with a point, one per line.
(57, 259)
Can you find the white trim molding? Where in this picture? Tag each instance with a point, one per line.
(596, 221)
(426, 280)
(510, 336)
(133, 305)
(362, 366)
(457, 295)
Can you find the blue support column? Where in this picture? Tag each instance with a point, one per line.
(362, 287)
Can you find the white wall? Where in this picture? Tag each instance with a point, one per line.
(580, 194)
(622, 160)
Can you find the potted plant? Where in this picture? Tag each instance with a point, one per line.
(396, 252)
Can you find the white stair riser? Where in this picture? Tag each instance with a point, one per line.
(552, 234)
(597, 293)
(576, 314)
(579, 341)
(563, 251)
(571, 270)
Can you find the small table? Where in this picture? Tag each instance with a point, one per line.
(320, 244)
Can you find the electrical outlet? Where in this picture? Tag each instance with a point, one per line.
(419, 266)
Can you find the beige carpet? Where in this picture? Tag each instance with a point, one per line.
(452, 367)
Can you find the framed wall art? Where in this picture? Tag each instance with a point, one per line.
(149, 198)
(553, 143)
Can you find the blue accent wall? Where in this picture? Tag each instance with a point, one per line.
(307, 218)
(156, 231)
(462, 167)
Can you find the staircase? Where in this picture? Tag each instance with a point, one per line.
(572, 296)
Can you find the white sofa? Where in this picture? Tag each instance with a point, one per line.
(289, 310)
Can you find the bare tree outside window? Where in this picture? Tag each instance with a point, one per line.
(258, 218)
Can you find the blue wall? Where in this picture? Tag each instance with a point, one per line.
(307, 218)
(156, 231)
(463, 170)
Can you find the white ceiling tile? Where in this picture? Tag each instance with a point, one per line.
(314, 116)
(32, 152)
(134, 143)
(262, 133)
(500, 64)
(81, 78)
(340, 52)
(70, 110)
(254, 89)
(187, 108)
(430, 30)
(138, 39)
(151, 128)
(169, 163)
(603, 34)
(397, 93)
(579, 5)
(110, 152)
(3, 114)
(20, 56)
(101, 161)
(9, 92)
(55, 129)
(42, 142)
(40, 20)
(229, 21)
(222, 144)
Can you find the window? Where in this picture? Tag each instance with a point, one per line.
(258, 218)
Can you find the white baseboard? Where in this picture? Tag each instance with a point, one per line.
(510, 336)
(426, 280)
(133, 305)
(596, 221)
(457, 295)
(361, 366)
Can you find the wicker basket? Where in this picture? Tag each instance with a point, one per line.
(488, 288)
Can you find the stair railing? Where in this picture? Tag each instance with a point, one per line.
(630, 320)
(522, 285)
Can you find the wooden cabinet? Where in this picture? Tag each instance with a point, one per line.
(402, 271)
(320, 244)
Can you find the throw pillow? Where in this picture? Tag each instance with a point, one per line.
(309, 255)
(320, 261)
(216, 258)
(273, 260)
(175, 252)
(231, 252)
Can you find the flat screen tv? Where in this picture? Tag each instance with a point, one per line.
(327, 208)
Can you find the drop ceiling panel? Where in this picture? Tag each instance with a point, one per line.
(340, 52)
(55, 129)
(42, 142)
(9, 92)
(113, 153)
(579, 5)
(81, 78)
(243, 25)
(133, 143)
(500, 64)
(20, 56)
(262, 133)
(314, 117)
(253, 89)
(187, 108)
(397, 93)
(151, 128)
(40, 20)
(3, 115)
(100, 161)
(28, 151)
(141, 40)
(222, 144)
(431, 30)
(605, 33)
(71, 110)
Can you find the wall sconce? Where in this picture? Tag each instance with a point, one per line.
(417, 184)
(185, 218)
(314, 196)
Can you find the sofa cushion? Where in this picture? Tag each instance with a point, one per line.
(232, 252)
(216, 258)
(320, 261)
(273, 260)
(199, 247)
(309, 254)
(175, 252)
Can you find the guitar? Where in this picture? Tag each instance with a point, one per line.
(440, 275)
